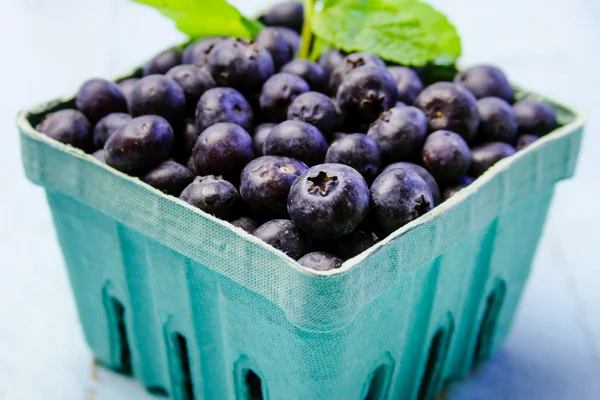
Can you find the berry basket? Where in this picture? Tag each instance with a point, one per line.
(197, 309)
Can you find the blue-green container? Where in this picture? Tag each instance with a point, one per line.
(198, 309)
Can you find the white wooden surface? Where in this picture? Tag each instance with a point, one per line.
(48, 47)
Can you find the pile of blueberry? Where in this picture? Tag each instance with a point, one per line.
(318, 159)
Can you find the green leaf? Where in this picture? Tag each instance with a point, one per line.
(200, 18)
(408, 32)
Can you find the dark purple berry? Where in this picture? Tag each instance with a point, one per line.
(535, 117)
(316, 109)
(320, 261)
(525, 140)
(245, 223)
(197, 52)
(278, 92)
(424, 174)
(213, 195)
(283, 235)
(159, 95)
(276, 42)
(486, 81)
(289, 14)
(328, 200)
(296, 139)
(98, 97)
(99, 155)
(488, 154)
(68, 126)
(408, 82)
(107, 126)
(498, 120)
(126, 87)
(194, 81)
(348, 64)
(163, 62)
(140, 145)
(223, 105)
(310, 71)
(329, 61)
(358, 151)
(456, 186)
(169, 177)
(446, 155)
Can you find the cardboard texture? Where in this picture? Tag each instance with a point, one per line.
(197, 309)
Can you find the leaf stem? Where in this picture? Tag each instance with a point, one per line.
(309, 9)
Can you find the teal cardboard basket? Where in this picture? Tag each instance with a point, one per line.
(197, 309)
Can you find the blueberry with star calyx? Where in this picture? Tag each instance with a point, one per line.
(408, 82)
(486, 81)
(213, 195)
(284, 235)
(328, 200)
(316, 109)
(278, 92)
(488, 154)
(296, 139)
(320, 261)
(358, 151)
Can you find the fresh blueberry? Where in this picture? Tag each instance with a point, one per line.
(525, 140)
(296, 139)
(446, 155)
(456, 186)
(213, 195)
(222, 149)
(98, 97)
(486, 81)
(159, 95)
(498, 120)
(408, 82)
(186, 140)
(265, 183)
(194, 81)
(366, 92)
(535, 117)
(285, 236)
(399, 132)
(169, 177)
(488, 154)
(223, 105)
(163, 62)
(126, 87)
(197, 52)
(107, 126)
(276, 43)
(278, 93)
(398, 196)
(260, 135)
(68, 126)
(449, 106)
(349, 245)
(328, 200)
(140, 145)
(292, 37)
(240, 64)
(245, 223)
(289, 14)
(99, 155)
(310, 71)
(316, 109)
(358, 151)
(320, 261)
(400, 104)
(330, 59)
(348, 64)
(423, 173)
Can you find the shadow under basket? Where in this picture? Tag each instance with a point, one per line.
(196, 309)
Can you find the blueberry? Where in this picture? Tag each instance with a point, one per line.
(525, 140)
(320, 261)
(265, 183)
(296, 139)
(488, 154)
(223, 105)
(194, 81)
(310, 71)
(456, 186)
(358, 151)
(292, 37)
(159, 95)
(330, 59)
(498, 120)
(316, 109)
(400, 104)
(240, 64)
(140, 145)
(350, 245)
(366, 92)
(486, 81)
(222, 149)
(169, 177)
(399, 132)
(213, 195)
(98, 97)
(285, 236)
(278, 93)
(328, 200)
(245, 223)
(163, 62)
(424, 174)
(408, 82)
(68, 126)
(446, 155)
(126, 87)
(449, 106)
(348, 64)
(260, 135)
(535, 117)
(289, 14)
(99, 155)
(197, 52)
(186, 140)
(398, 196)
(107, 126)
(276, 43)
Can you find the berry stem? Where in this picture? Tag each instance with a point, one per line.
(309, 9)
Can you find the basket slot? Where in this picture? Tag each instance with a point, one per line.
(378, 386)
(253, 386)
(183, 387)
(118, 335)
(485, 338)
(431, 382)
